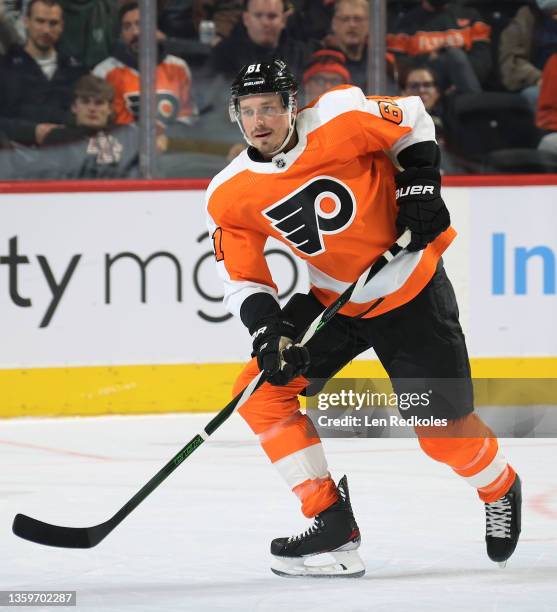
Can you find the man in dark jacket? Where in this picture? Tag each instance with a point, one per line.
(25, 132)
(350, 33)
(37, 80)
(260, 37)
(447, 36)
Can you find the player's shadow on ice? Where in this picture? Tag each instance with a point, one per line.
(192, 588)
(532, 574)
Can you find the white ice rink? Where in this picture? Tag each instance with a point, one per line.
(200, 542)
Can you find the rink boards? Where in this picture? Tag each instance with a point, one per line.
(110, 301)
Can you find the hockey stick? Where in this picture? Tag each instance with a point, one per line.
(86, 537)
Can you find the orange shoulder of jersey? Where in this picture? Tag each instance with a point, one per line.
(330, 199)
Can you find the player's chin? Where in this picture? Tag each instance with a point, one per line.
(263, 144)
(267, 148)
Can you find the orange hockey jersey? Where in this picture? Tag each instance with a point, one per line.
(173, 85)
(331, 199)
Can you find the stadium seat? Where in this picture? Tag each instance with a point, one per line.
(495, 132)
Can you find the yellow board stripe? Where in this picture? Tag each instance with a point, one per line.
(98, 390)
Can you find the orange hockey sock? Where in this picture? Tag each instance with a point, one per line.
(470, 448)
(289, 439)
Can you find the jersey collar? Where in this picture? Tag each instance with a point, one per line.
(281, 162)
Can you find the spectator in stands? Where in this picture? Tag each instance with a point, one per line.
(260, 37)
(546, 117)
(326, 69)
(450, 37)
(175, 105)
(37, 80)
(91, 146)
(524, 47)
(91, 111)
(421, 81)
(349, 33)
(89, 30)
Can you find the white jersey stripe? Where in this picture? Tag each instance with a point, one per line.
(386, 281)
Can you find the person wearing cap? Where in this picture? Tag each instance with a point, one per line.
(525, 46)
(325, 70)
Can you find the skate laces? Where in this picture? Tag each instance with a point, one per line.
(341, 494)
(498, 518)
(312, 529)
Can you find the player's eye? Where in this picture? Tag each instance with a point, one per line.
(270, 111)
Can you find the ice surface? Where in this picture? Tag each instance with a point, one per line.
(201, 541)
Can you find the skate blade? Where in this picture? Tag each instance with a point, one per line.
(502, 564)
(348, 564)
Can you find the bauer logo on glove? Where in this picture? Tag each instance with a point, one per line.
(421, 207)
(414, 190)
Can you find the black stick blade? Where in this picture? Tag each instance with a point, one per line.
(53, 535)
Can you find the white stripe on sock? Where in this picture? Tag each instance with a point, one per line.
(306, 464)
(490, 473)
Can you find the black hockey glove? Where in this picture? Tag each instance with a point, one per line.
(276, 355)
(421, 207)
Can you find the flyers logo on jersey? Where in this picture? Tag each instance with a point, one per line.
(167, 105)
(324, 205)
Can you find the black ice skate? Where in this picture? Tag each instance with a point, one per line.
(502, 524)
(334, 531)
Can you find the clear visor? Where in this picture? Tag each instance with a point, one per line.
(268, 109)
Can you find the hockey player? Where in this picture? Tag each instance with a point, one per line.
(325, 181)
